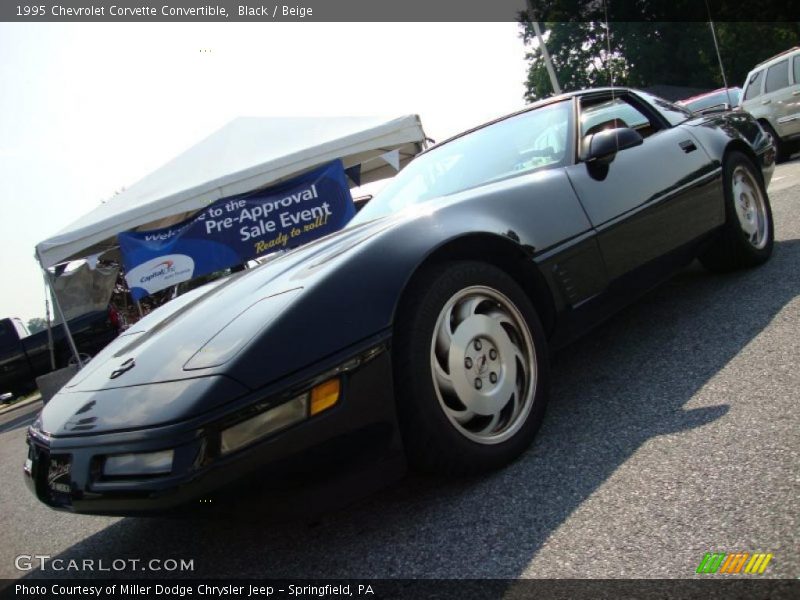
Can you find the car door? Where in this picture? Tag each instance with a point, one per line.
(651, 199)
(782, 96)
(14, 367)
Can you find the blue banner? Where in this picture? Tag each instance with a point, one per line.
(233, 230)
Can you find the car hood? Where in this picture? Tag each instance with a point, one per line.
(164, 345)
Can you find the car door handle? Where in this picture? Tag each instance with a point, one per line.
(796, 93)
(687, 146)
(766, 101)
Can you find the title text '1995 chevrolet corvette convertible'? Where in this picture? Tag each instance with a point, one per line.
(423, 327)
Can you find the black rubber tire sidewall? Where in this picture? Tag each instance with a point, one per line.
(432, 442)
(781, 147)
(732, 250)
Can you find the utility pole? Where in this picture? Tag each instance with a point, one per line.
(545, 54)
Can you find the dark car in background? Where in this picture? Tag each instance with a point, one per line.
(423, 329)
(25, 356)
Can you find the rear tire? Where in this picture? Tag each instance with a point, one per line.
(471, 369)
(747, 238)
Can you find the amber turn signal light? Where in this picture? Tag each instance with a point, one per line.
(324, 395)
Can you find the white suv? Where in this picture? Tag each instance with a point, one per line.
(772, 95)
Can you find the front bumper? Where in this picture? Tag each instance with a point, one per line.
(66, 472)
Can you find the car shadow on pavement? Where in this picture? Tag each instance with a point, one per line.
(625, 383)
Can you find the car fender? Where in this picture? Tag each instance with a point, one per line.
(739, 130)
(353, 295)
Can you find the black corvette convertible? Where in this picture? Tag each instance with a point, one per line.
(424, 327)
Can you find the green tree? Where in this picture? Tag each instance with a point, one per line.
(641, 53)
(583, 56)
(37, 324)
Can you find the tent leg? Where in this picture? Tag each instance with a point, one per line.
(139, 308)
(50, 345)
(68, 333)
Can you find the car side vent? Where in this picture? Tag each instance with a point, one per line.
(566, 283)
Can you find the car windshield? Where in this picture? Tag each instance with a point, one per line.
(520, 144)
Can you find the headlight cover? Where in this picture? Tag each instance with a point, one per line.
(261, 425)
(150, 463)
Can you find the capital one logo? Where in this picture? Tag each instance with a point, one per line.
(161, 269)
(734, 563)
(161, 272)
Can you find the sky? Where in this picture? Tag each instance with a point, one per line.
(88, 109)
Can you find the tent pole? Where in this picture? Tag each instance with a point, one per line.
(59, 312)
(139, 308)
(50, 346)
(68, 333)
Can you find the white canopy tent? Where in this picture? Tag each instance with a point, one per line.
(247, 154)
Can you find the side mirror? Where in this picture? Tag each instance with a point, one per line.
(602, 147)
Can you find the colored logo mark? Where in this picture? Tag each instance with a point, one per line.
(738, 562)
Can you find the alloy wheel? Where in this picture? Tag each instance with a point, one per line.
(483, 365)
(751, 210)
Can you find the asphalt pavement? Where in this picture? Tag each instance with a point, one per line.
(672, 432)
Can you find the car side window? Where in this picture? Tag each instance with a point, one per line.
(796, 64)
(674, 114)
(754, 86)
(598, 115)
(777, 77)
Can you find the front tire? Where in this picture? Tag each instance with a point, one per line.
(471, 369)
(747, 237)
